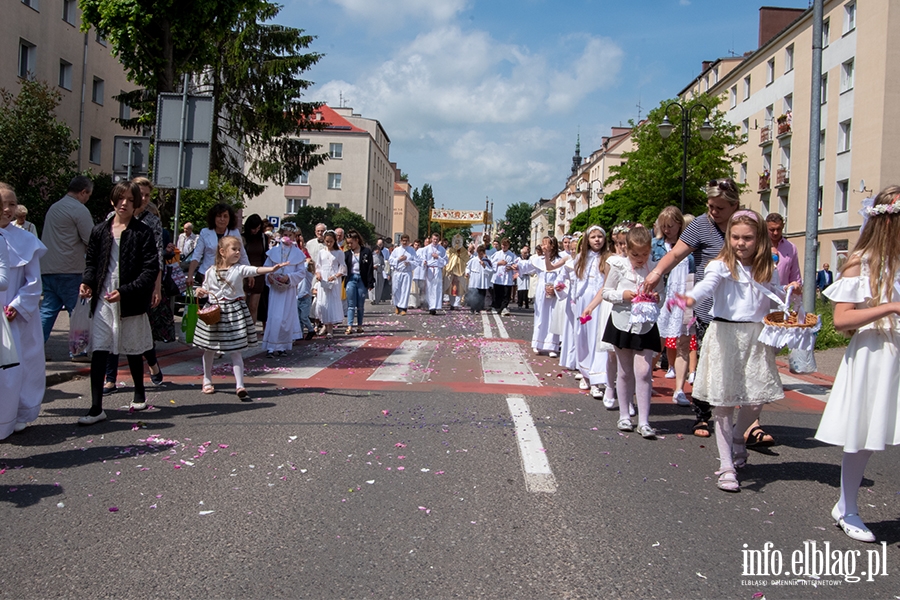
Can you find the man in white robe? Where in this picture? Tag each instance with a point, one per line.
(22, 387)
(435, 260)
(283, 323)
(403, 260)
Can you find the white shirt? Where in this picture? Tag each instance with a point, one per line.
(479, 272)
(228, 285)
(735, 300)
(503, 274)
(207, 244)
(623, 276)
(186, 244)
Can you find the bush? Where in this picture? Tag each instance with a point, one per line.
(828, 337)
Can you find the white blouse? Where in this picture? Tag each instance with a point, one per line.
(208, 243)
(227, 285)
(622, 276)
(739, 300)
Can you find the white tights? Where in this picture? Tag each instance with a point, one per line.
(723, 417)
(634, 377)
(237, 360)
(853, 465)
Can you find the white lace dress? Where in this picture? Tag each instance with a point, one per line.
(862, 411)
(109, 333)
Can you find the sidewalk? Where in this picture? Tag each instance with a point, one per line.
(61, 369)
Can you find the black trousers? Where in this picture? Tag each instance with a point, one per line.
(98, 372)
(501, 296)
(522, 299)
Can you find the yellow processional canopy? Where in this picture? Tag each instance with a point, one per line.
(459, 218)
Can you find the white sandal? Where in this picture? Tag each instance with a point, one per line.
(728, 480)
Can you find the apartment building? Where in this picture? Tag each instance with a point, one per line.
(43, 40)
(767, 94)
(584, 187)
(406, 214)
(357, 175)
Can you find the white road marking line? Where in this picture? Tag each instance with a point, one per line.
(407, 363)
(504, 363)
(297, 365)
(486, 323)
(538, 476)
(500, 327)
(819, 392)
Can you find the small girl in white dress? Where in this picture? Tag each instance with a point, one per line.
(862, 413)
(330, 270)
(736, 369)
(224, 285)
(589, 270)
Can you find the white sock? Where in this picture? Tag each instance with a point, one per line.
(853, 465)
(237, 362)
(208, 357)
(723, 417)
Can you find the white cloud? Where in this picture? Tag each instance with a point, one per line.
(383, 12)
(684, 2)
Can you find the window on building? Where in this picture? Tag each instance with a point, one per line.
(822, 145)
(788, 103)
(826, 32)
(770, 71)
(764, 200)
(706, 83)
(733, 96)
(332, 205)
(770, 114)
(745, 127)
(821, 197)
(847, 76)
(842, 196)
(786, 158)
(65, 75)
(844, 136)
(849, 17)
(124, 109)
(715, 75)
(295, 203)
(336, 151)
(824, 91)
(789, 59)
(94, 154)
(747, 87)
(97, 91)
(783, 208)
(99, 37)
(68, 13)
(302, 179)
(334, 181)
(31, 4)
(743, 173)
(27, 59)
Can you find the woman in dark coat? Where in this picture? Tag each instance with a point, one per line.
(121, 266)
(360, 278)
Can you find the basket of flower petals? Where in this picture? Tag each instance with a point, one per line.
(790, 328)
(644, 308)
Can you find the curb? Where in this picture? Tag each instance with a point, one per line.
(58, 377)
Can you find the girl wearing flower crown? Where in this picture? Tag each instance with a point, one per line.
(863, 412)
(736, 369)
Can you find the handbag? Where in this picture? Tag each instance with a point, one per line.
(189, 320)
(176, 281)
(80, 329)
(9, 356)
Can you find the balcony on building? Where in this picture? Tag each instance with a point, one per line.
(784, 125)
(782, 177)
(765, 135)
(765, 183)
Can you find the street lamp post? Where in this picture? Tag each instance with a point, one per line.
(666, 128)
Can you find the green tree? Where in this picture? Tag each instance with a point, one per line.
(516, 225)
(424, 201)
(618, 206)
(651, 174)
(251, 65)
(196, 203)
(35, 147)
(347, 220)
(308, 217)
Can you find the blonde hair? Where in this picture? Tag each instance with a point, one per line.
(227, 240)
(762, 266)
(673, 214)
(724, 188)
(879, 244)
(638, 237)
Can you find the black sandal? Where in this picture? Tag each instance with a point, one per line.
(758, 437)
(701, 429)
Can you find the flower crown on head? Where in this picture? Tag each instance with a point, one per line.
(882, 209)
(622, 228)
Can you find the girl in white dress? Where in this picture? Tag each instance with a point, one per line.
(736, 369)
(330, 270)
(545, 296)
(236, 330)
(862, 413)
(589, 270)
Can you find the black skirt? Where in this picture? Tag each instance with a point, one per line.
(632, 341)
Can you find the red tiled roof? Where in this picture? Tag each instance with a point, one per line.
(334, 121)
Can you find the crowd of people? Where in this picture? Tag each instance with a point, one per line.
(692, 293)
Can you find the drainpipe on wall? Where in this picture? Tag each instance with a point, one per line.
(81, 106)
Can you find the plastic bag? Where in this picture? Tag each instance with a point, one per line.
(80, 329)
(802, 361)
(189, 319)
(9, 356)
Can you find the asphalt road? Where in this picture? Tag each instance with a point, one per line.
(401, 464)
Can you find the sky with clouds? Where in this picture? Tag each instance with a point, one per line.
(485, 98)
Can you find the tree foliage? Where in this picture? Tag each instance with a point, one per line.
(516, 225)
(650, 175)
(424, 201)
(252, 66)
(619, 205)
(196, 203)
(308, 217)
(35, 147)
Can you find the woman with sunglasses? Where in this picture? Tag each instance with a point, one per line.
(703, 238)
